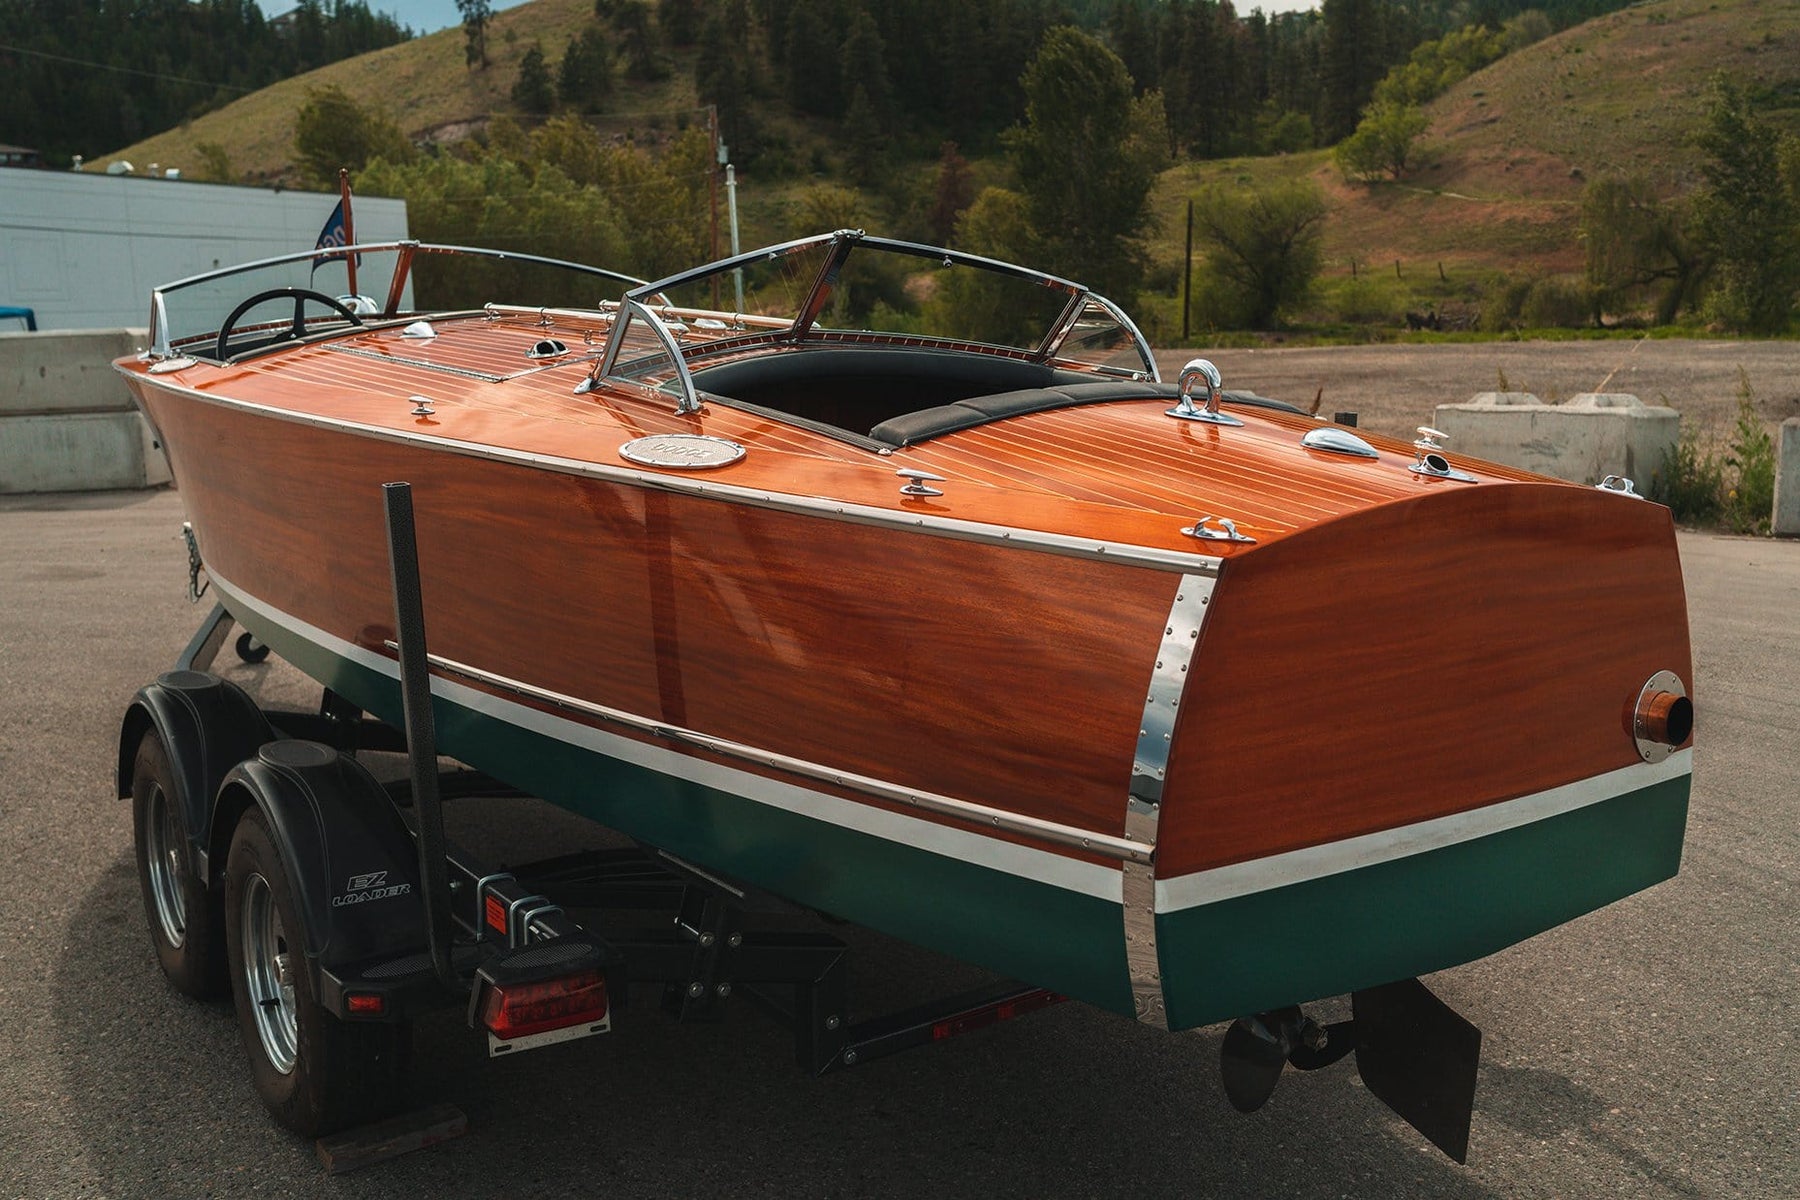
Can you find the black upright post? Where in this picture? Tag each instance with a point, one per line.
(421, 731)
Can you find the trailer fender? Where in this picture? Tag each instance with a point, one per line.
(348, 853)
(207, 726)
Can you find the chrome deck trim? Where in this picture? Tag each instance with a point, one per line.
(1143, 806)
(1101, 844)
(947, 527)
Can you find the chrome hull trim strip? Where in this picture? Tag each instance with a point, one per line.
(970, 531)
(1332, 858)
(1143, 807)
(1103, 845)
(1099, 880)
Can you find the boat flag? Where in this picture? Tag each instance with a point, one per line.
(339, 231)
(334, 236)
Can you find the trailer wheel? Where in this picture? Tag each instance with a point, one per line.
(249, 649)
(185, 918)
(315, 1073)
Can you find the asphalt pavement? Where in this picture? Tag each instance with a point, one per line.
(1647, 1050)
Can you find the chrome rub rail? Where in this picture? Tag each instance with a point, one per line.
(966, 811)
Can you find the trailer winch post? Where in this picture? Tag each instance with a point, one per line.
(421, 731)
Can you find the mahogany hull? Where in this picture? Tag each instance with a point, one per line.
(1403, 738)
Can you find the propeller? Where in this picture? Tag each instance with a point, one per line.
(1256, 1048)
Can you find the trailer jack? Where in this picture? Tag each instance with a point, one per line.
(1412, 1050)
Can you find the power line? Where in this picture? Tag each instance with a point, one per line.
(100, 66)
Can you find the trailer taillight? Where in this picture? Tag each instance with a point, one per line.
(521, 1015)
(993, 1014)
(365, 1004)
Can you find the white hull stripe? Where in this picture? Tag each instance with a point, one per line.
(1333, 858)
(1071, 874)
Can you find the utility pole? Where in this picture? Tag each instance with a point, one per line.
(1187, 273)
(737, 273)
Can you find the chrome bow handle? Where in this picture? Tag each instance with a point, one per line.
(1196, 372)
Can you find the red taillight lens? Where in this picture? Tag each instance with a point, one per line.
(519, 1010)
(991, 1014)
(365, 1004)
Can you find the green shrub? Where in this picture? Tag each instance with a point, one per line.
(1691, 481)
(1556, 304)
(1367, 300)
(1749, 505)
(1503, 305)
(1701, 488)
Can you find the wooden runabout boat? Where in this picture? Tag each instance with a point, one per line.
(895, 582)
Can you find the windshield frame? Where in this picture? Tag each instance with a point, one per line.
(803, 328)
(406, 250)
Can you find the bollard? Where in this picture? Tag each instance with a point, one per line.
(1785, 520)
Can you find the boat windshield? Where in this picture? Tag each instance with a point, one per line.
(849, 289)
(263, 303)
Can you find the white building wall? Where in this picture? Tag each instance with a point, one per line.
(85, 249)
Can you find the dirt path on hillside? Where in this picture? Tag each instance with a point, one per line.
(1396, 388)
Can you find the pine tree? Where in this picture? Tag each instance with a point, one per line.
(1086, 159)
(1746, 216)
(475, 14)
(865, 67)
(638, 41)
(812, 44)
(584, 79)
(534, 92)
(954, 192)
(1352, 63)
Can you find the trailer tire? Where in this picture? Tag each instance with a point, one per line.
(316, 1074)
(186, 918)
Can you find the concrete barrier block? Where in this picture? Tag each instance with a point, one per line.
(156, 463)
(1504, 400)
(1785, 520)
(1590, 437)
(72, 452)
(66, 371)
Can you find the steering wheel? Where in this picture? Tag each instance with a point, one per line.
(298, 329)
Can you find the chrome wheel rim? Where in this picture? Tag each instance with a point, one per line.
(166, 863)
(268, 975)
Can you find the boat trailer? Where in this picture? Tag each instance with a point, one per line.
(334, 909)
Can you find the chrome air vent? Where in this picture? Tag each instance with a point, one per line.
(1337, 441)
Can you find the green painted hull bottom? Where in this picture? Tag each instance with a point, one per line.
(1324, 937)
(1422, 913)
(1047, 935)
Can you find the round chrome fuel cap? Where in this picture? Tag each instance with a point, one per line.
(682, 451)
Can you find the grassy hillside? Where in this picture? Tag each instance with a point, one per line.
(1510, 148)
(1507, 154)
(423, 85)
